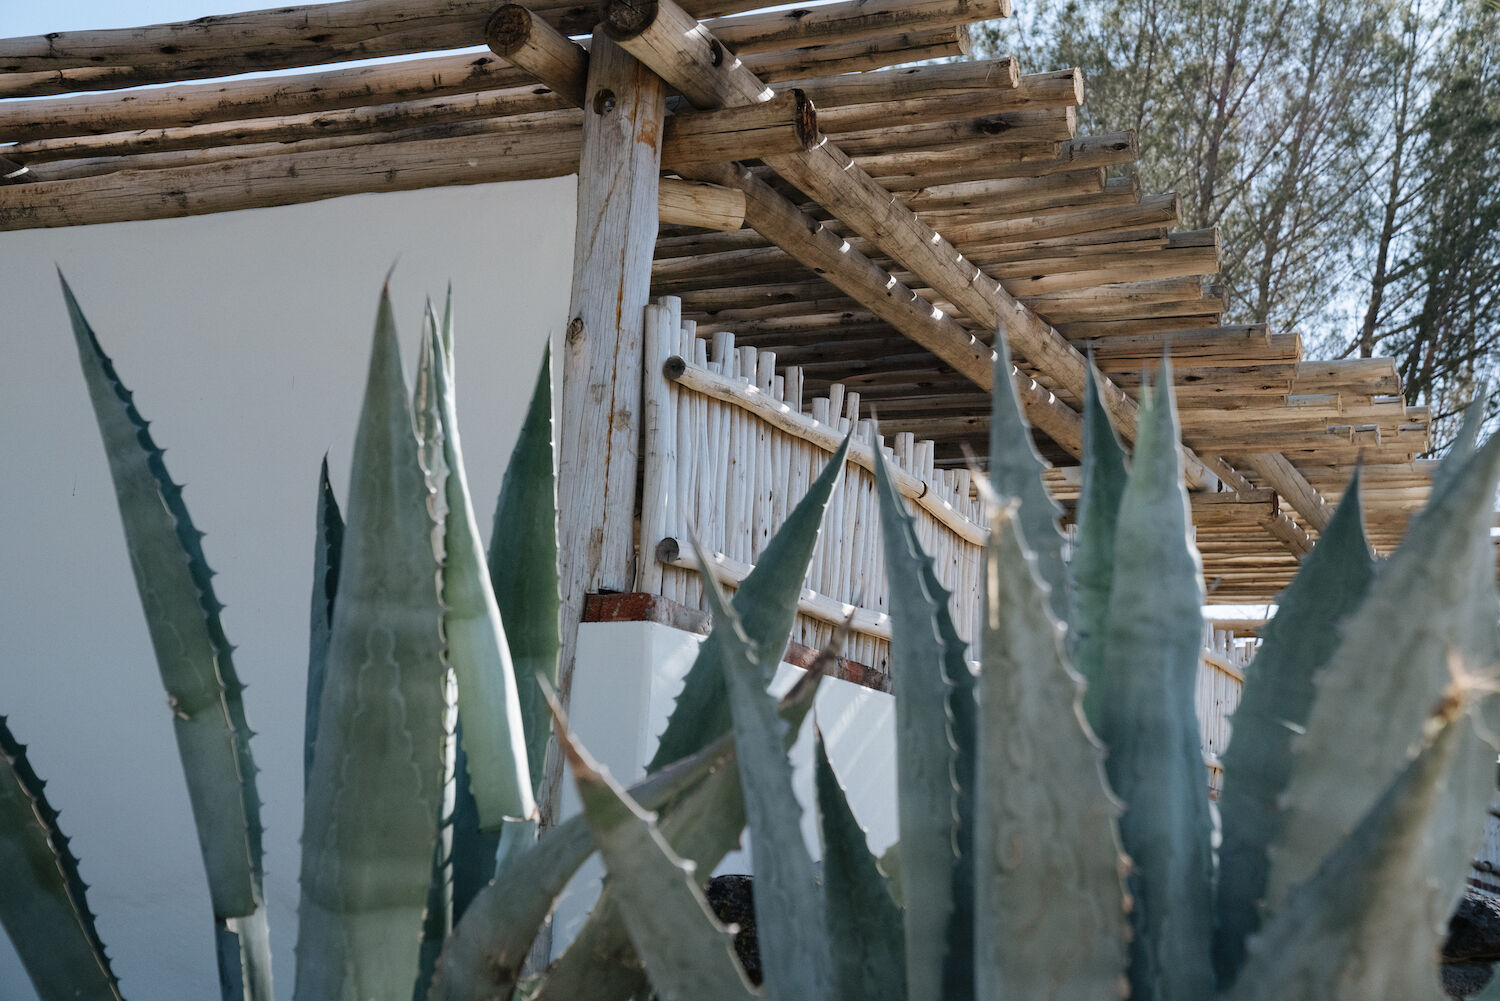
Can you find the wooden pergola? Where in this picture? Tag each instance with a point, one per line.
(805, 179)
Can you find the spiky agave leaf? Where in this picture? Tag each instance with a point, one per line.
(371, 814)
(963, 737)
(477, 650)
(688, 954)
(766, 602)
(702, 826)
(1433, 599)
(196, 665)
(523, 566)
(925, 754)
(1274, 707)
(326, 550)
(44, 907)
(864, 924)
(1148, 720)
(788, 901)
(1371, 920)
(1016, 471)
(1093, 566)
(1050, 902)
(483, 956)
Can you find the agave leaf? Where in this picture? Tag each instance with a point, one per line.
(472, 859)
(371, 814)
(924, 751)
(702, 825)
(963, 737)
(195, 661)
(890, 867)
(326, 551)
(1093, 564)
(432, 431)
(1432, 601)
(1371, 921)
(483, 956)
(766, 602)
(864, 924)
(523, 566)
(788, 902)
(478, 652)
(1016, 471)
(688, 954)
(1149, 725)
(1050, 903)
(1275, 705)
(44, 908)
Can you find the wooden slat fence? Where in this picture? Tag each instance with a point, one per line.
(731, 446)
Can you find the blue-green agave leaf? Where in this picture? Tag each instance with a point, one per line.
(1274, 707)
(963, 737)
(1050, 901)
(766, 603)
(1430, 610)
(788, 902)
(1371, 920)
(182, 615)
(483, 956)
(477, 649)
(688, 954)
(474, 849)
(926, 793)
(1155, 762)
(330, 541)
(371, 814)
(43, 907)
(702, 825)
(1093, 566)
(195, 661)
(1016, 471)
(864, 924)
(523, 566)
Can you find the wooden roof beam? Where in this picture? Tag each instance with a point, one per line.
(282, 38)
(391, 83)
(816, 247)
(227, 178)
(667, 38)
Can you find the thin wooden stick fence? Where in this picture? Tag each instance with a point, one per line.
(730, 448)
(1221, 675)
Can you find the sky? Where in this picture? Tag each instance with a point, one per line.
(27, 17)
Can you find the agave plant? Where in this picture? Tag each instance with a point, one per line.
(1057, 846)
(1056, 839)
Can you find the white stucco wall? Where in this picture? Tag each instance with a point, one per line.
(245, 337)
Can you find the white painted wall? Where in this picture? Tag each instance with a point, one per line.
(628, 677)
(245, 337)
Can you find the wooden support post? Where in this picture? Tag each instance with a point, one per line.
(600, 421)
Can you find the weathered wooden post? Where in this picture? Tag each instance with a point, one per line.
(599, 424)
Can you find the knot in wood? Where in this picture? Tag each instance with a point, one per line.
(806, 118)
(575, 330)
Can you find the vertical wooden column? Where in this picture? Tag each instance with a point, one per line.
(600, 421)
